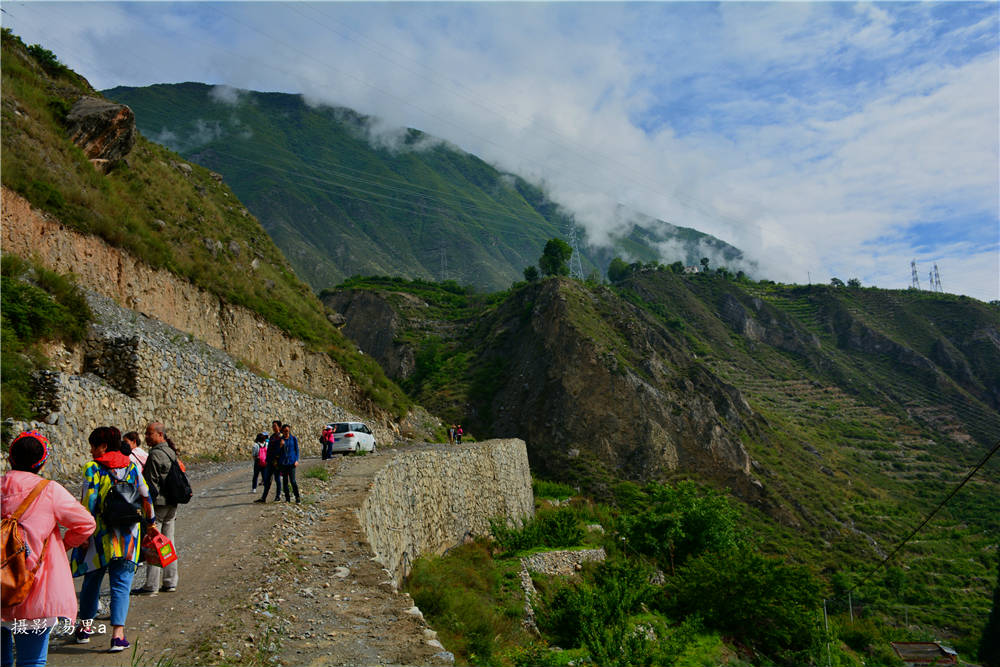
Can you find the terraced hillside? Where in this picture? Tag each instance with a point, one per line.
(878, 403)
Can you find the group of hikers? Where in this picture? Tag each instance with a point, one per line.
(455, 433)
(129, 495)
(275, 459)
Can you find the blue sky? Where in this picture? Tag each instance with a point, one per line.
(824, 139)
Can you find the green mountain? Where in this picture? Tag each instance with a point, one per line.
(157, 206)
(840, 416)
(340, 201)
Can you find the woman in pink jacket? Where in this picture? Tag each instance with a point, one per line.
(26, 626)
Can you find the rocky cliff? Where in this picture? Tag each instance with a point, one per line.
(580, 371)
(584, 378)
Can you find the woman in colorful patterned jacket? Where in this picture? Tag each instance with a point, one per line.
(110, 550)
(27, 626)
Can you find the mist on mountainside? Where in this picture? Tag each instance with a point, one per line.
(345, 194)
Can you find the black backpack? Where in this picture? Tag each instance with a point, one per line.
(122, 506)
(175, 488)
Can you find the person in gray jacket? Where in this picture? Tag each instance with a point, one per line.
(161, 455)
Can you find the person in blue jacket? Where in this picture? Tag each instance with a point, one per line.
(288, 460)
(271, 467)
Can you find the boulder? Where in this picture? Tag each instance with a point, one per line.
(104, 130)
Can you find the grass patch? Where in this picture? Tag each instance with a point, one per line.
(474, 603)
(555, 490)
(319, 472)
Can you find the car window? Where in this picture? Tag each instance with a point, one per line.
(364, 429)
(341, 428)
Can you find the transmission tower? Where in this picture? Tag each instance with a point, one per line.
(937, 280)
(913, 270)
(575, 265)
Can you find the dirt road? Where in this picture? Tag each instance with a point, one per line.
(273, 584)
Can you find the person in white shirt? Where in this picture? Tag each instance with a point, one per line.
(138, 455)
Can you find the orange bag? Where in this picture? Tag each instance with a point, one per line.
(157, 549)
(17, 577)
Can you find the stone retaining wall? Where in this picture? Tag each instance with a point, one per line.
(562, 562)
(135, 370)
(424, 502)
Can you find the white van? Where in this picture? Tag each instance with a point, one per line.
(352, 437)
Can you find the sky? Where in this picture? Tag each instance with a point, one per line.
(822, 139)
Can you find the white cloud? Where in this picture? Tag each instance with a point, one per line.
(809, 134)
(227, 94)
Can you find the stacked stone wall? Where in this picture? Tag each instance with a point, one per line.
(427, 501)
(137, 370)
(562, 563)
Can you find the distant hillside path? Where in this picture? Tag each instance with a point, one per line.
(274, 584)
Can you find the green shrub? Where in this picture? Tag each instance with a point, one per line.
(560, 528)
(545, 489)
(16, 389)
(678, 522)
(46, 59)
(554, 528)
(764, 602)
(599, 612)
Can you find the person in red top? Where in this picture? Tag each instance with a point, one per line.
(26, 627)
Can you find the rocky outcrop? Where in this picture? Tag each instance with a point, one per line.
(104, 130)
(426, 501)
(853, 334)
(953, 363)
(762, 323)
(587, 372)
(367, 319)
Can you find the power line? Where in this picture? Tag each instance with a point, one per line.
(425, 205)
(923, 523)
